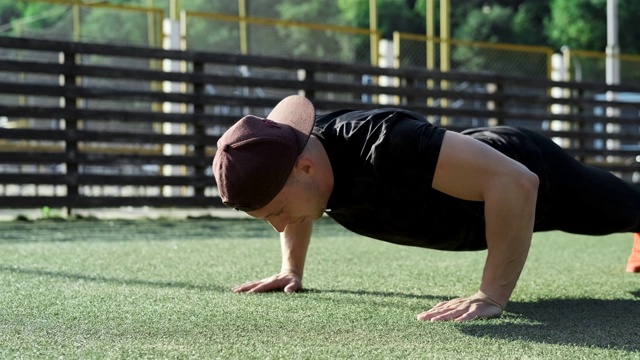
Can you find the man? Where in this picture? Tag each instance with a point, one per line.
(390, 175)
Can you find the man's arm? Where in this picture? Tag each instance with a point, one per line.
(294, 242)
(471, 170)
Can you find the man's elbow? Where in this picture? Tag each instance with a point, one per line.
(519, 185)
(528, 183)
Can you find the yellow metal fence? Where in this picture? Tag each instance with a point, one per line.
(222, 31)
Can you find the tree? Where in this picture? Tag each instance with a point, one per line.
(629, 31)
(315, 44)
(16, 16)
(579, 24)
(107, 25)
(10, 10)
(393, 15)
(582, 24)
(528, 23)
(490, 23)
(499, 24)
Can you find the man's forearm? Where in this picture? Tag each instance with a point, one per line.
(294, 242)
(509, 215)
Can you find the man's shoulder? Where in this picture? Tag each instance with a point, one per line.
(358, 119)
(379, 113)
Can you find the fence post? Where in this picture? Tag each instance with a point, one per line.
(581, 128)
(409, 99)
(70, 125)
(306, 76)
(199, 130)
(496, 89)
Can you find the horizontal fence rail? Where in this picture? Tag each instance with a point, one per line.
(94, 125)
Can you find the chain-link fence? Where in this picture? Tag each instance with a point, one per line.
(252, 27)
(90, 22)
(591, 66)
(264, 36)
(532, 61)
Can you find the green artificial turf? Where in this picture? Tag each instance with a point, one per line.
(160, 289)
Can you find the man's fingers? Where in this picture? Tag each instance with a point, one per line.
(442, 315)
(457, 316)
(471, 315)
(245, 287)
(265, 286)
(277, 282)
(253, 286)
(439, 311)
(461, 309)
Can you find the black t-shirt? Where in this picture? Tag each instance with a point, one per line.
(383, 163)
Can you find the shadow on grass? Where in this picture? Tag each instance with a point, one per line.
(109, 280)
(609, 324)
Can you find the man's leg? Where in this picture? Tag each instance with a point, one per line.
(591, 201)
(583, 199)
(595, 202)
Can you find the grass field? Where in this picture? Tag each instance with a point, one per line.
(160, 289)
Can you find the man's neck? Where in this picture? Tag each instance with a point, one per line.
(325, 173)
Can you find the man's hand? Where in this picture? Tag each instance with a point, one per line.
(286, 281)
(477, 306)
(294, 242)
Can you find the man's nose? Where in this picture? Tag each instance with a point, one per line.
(279, 223)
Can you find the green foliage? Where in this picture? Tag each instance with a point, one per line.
(107, 25)
(325, 45)
(490, 23)
(579, 24)
(528, 23)
(18, 15)
(493, 24)
(309, 11)
(629, 31)
(393, 15)
(9, 11)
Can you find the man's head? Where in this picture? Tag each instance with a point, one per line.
(255, 156)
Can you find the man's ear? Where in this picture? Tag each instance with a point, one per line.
(305, 164)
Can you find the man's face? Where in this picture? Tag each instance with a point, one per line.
(298, 202)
